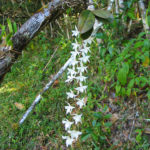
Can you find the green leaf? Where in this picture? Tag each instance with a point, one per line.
(97, 115)
(148, 94)
(94, 123)
(131, 83)
(108, 124)
(122, 76)
(10, 26)
(128, 92)
(85, 137)
(86, 21)
(15, 26)
(107, 116)
(118, 88)
(102, 14)
(126, 67)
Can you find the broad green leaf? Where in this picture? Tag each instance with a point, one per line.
(102, 14)
(107, 116)
(126, 67)
(86, 21)
(97, 115)
(122, 76)
(128, 92)
(118, 88)
(131, 83)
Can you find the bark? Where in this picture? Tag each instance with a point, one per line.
(31, 27)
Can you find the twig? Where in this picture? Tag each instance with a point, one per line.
(133, 124)
(143, 15)
(50, 59)
(47, 86)
(129, 26)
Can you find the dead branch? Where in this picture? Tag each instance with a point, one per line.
(47, 86)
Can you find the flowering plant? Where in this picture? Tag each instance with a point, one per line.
(75, 73)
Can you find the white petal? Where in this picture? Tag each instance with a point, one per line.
(77, 118)
(74, 134)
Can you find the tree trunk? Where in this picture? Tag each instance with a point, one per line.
(30, 29)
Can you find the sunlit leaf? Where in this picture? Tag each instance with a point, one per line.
(86, 21)
(10, 26)
(146, 62)
(15, 27)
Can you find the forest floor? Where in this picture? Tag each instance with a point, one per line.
(111, 121)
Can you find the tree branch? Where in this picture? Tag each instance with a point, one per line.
(32, 26)
(47, 86)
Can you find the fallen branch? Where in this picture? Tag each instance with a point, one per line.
(48, 13)
(47, 86)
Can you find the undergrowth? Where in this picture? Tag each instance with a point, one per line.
(118, 78)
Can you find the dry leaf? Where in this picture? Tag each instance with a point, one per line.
(19, 106)
(56, 83)
(114, 118)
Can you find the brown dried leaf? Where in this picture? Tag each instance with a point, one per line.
(56, 83)
(19, 106)
(114, 118)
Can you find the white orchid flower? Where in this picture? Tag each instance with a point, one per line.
(80, 78)
(67, 124)
(80, 102)
(74, 53)
(85, 50)
(69, 108)
(75, 32)
(73, 62)
(76, 45)
(84, 59)
(70, 78)
(77, 118)
(71, 72)
(69, 140)
(81, 89)
(70, 94)
(74, 134)
(82, 69)
(88, 41)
